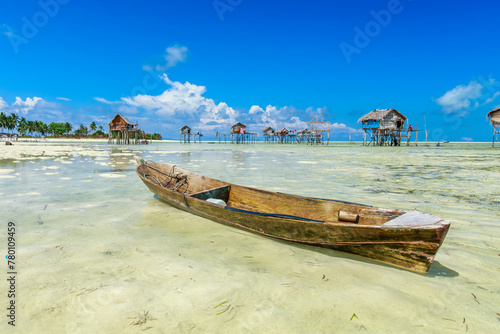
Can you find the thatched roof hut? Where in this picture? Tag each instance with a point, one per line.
(268, 131)
(120, 123)
(238, 128)
(185, 130)
(383, 119)
(283, 132)
(494, 117)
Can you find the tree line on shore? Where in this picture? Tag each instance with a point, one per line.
(37, 128)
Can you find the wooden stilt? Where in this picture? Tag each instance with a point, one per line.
(416, 135)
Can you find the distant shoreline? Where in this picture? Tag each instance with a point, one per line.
(100, 140)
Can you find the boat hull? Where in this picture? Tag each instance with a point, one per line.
(408, 247)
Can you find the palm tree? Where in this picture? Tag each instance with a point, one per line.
(3, 121)
(81, 131)
(44, 128)
(22, 126)
(92, 126)
(67, 127)
(31, 127)
(41, 128)
(12, 121)
(53, 128)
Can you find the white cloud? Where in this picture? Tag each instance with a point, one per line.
(460, 97)
(341, 127)
(185, 100)
(127, 110)
(63, 98)
(255, 110)
(3, 104)
(174, 54)
(186, 103)
(276, 117)
(491, 99)
(103, 100)
(21, 106)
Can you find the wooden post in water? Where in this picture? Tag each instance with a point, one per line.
(416, 134)
(425, 129)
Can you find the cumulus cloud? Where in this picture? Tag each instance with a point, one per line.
(276, 117)
(341, 127)
(461, 99)
(255, 110)
(185, 100)
(179, 97)
(186, 103)
(24, 107)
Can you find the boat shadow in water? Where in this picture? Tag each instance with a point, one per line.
(435, 270)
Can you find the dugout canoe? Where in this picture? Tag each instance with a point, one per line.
(407, 240)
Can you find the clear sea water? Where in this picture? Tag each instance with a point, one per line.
(98, 253)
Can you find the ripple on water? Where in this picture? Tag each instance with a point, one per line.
(28, 194)
(6, 171)
(112, 175)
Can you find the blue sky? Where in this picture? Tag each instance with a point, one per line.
(211, 63)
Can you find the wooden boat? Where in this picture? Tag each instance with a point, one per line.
(403, 239)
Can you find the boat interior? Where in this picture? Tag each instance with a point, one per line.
(262, 202)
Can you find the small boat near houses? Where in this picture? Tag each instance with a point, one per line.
(407, 240)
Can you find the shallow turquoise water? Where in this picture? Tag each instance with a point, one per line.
(96, 250)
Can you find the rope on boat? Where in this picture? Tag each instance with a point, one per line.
(179, 184)
(182, 179)
(170, 175)
(149, 175)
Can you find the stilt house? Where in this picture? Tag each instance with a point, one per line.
(383, 127)
(268, 134)
(120, 129)
(239, 135)
(238, 128)
(185, 134)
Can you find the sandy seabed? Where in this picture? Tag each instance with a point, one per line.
(96, 252)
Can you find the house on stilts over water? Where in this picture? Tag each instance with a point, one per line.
(383, 127)
(122, 131)
(494, 117)
(239, 134)
(269, 134)
(186, 135)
